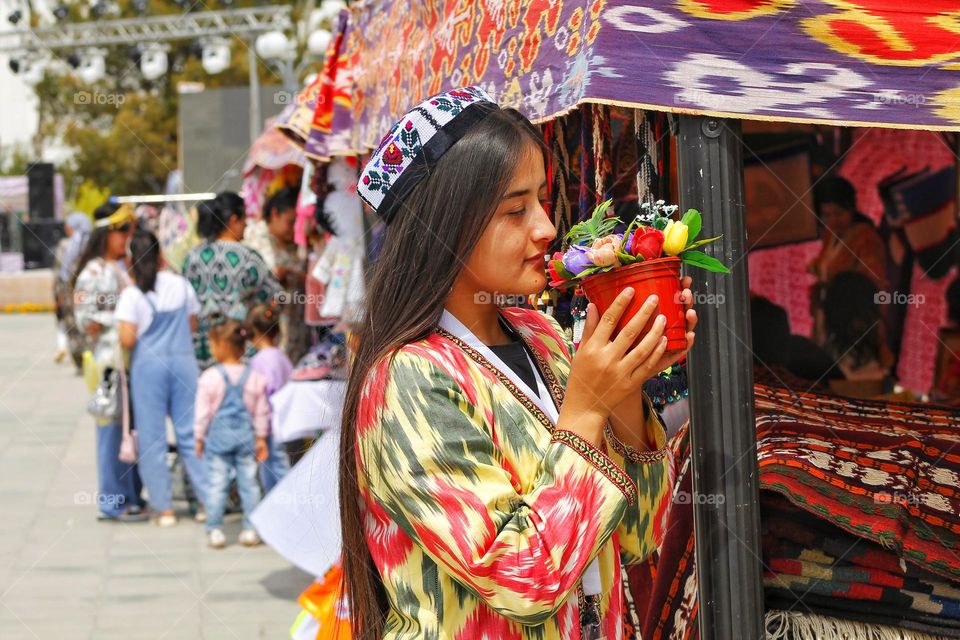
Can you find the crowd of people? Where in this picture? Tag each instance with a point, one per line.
(202, 347)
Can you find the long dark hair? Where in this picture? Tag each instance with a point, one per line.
(214, 215)
(423, 252)
(144, 259)
(96, 243)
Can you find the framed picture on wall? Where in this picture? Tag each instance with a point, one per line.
(778, 190)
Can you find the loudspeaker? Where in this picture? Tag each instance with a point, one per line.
(40, 190)
(39, 240)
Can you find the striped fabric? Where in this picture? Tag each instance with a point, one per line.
(481, 518)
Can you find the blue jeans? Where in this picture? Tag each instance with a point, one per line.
(275, 466)
(162, 387)
(219, 465)
(119, 486)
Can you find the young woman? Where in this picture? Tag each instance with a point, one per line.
(156, 315)
(97, 285)
(229, 278)
(491, 481)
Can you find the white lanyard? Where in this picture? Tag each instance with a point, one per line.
(543, 400)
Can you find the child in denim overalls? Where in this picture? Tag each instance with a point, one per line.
(231, 428)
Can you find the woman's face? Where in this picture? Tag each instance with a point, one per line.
(281, 224)
(236, 225)
(117, 241)
(835, 217)
(509, 258)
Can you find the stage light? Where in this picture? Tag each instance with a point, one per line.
(216, 55)
(153, 61)
(93, 66)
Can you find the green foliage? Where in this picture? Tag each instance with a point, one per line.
(123, 129)
(594, 227)
(14, 160)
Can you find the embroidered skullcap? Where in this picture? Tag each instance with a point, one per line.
(415, 143)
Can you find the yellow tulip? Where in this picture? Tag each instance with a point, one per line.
(674, 238)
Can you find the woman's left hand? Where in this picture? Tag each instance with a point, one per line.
(629, 418)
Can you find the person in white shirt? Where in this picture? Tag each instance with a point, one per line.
(156, 318)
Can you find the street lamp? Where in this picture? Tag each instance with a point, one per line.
(274, 45)
(318, 41)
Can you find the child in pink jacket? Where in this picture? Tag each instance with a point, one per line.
(231, 428)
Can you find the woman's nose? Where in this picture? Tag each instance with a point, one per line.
(544, 230)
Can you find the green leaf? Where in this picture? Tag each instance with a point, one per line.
(596, 226)
(702, 260)
(561, 270)
(694, 222)
(699, 243)
(626, 258)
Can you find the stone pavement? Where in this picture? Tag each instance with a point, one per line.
(65, 575)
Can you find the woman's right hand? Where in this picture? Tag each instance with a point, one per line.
(605, 371)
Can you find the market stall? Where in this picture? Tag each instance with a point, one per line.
(599, 76)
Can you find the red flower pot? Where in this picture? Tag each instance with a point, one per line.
(660, 276)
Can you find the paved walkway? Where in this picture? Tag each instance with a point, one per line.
(65, 575)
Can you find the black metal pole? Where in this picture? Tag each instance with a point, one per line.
(723, 432)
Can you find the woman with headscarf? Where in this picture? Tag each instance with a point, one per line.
(492, 481)
(69, 339)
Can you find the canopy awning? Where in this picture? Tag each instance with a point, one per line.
(842, 62)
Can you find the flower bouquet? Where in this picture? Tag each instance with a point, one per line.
(646, 256)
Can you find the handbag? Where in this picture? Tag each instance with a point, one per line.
(105, 404)
(128, 441)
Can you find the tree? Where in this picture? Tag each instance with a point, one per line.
(123, 130)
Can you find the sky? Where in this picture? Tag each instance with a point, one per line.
(18, 107)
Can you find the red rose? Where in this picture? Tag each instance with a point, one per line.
(646, 242)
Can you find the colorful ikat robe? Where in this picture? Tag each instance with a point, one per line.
(480, 516)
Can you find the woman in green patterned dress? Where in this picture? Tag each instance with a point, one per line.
(229, 277)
